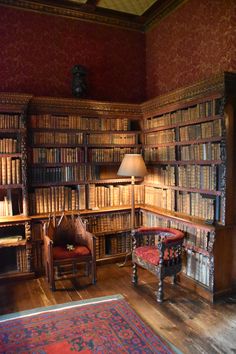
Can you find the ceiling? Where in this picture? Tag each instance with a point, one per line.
(133, 14)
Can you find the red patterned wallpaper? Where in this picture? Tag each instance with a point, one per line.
(191, 44)
(38, 51)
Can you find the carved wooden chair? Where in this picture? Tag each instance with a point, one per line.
(158, 250)
(68, 246)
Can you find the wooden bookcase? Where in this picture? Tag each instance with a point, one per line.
(15, 227)
(75, 149)
(188, 141)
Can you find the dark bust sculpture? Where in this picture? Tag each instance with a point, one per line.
(79, 86)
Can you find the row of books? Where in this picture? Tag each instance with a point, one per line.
(112, 245)
(206, 151)
(197, 266)
(78, 122)
(199, 111)
(21, 259)
(60, 155)
(161, 137)
(55, 138)
(190, 176)
(11, 121)
(194, 237)
(8, 146)
(10, 170)
(162, 153)
(195, 204)
(196, 176)
(110, 222)
(201, 131)
(161, 175)
(160, 198)
(53, 199)
(6, 207)
(58, 174)
(110, 154)
(122, 139)
(110, 195)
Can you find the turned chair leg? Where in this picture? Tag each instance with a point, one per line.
(160, 291)
(135, 274)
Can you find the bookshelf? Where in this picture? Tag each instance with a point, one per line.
(75, 149)
(15, 227)
(73, 152)
(188, 143)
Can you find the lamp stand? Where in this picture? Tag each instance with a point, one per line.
(132, 219)
(132, 223)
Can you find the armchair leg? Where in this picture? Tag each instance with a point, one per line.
(94, 280)
(135, 274)
(160, 291)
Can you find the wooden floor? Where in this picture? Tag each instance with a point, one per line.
(190, 323)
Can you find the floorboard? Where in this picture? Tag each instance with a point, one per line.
(189, 322)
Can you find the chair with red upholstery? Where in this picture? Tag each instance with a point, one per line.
(158, 250)
(68, 246)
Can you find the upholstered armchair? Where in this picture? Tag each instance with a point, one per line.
(68, 246)
(158, 250)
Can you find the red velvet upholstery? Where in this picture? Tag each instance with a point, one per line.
(151, 254)
(63, 253)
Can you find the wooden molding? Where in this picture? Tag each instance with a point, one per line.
(15, 102)
(213, 85)
(98, 15)
(82, 106)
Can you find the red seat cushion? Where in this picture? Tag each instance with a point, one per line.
(63, 253)
(150, 254)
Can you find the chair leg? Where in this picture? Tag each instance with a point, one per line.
(93, 271)
(174, 279)
(160, 291)
(135, 274)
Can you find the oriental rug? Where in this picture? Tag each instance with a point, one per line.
(101, 325)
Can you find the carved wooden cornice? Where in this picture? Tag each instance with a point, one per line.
(137, 23)
(14, 101)
(221, 84)
(83, 106)
(71, 13)
(213, 85)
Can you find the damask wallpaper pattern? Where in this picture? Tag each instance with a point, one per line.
(193, 43)
(37, 52)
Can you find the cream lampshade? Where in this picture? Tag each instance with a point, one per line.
(132, 166)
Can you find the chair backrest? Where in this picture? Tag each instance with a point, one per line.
(155, 235)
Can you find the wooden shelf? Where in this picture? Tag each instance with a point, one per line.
(11, 186)
(16, 219)
(182, 124)
(186, 142)
(186, 162)
(184, 189)
(13, 243)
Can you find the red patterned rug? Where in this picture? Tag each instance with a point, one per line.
(102, 325)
